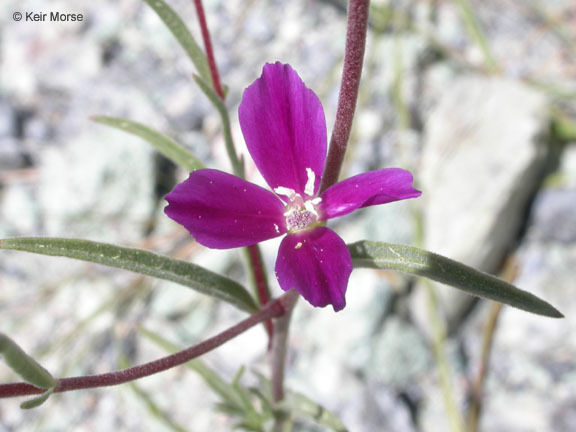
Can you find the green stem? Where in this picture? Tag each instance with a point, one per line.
(217, 97)
(478, 386)
(475, 31)
(444, 369)
(278, 355)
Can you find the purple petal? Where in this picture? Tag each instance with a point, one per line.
(317, 264)
(371, 188)
(284, 127)
(223, 211)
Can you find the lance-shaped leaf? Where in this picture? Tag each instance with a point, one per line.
(24, 365)
(139, 261)
(169, 148)
(38, 400)
(144, 396)
(420, 262)
(227, 392)
(303, 406)
(183, 35)
(217, 384)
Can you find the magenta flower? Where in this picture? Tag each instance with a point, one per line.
(285, 131)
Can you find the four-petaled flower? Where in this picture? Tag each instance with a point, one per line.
(285, 131)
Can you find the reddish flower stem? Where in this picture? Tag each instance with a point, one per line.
(352, 71)
(276, 308)
(260, 280)
(208, 47)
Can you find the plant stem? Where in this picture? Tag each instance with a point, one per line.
(278, 355)
(260, 282)
(208, 47)
(281, 327)
(253, 252)
(509, 273)
(357, 26)
(276, 308)
(444, 369)
(475, 31)
(478, 384)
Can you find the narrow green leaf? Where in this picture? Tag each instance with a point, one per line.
(306, 407)
(37, 401)
(211, 378)
(169, 148)
(303, 406)
(419, 262)
(24, 365)
(475, 31)
(139, 261)
(244, 396)
(235, 399)
(183, 35)
(153, 409)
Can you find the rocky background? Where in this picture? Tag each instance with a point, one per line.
(489, 133)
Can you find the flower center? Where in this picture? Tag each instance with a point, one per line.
(298, 218)
(299, 214)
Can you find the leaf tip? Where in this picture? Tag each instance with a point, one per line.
(546, 309)
(37, 401)
(556, 313)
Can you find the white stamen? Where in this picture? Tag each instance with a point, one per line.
(309, 188)
(316, 201)
(309, 205)
(277, 228)
(287, 192)
(298, 245)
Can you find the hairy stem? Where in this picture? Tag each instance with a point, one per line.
(357, 26)
(281, 306)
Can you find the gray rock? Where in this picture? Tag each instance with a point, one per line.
(377, 408)
(400, 355)
(482, 160)
(554, 216)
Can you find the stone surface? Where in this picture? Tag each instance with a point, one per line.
(483, 157)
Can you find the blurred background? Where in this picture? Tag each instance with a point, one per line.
(476, 98)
